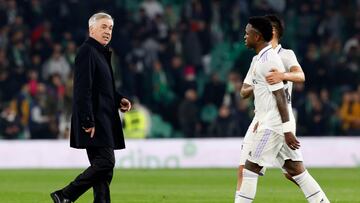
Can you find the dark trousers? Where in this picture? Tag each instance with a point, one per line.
(98, 176)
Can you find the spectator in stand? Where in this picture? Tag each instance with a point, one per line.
(4, 63)
(70, 52)
(12, 11)
(33, 82)
(189, 79)
(152, 8)
(329, 109)
(188, 114)
(214, 91)
(56, 90)
(224, 125)
(162, 93)
(191, 44)
(233, 87)
(40, 119)
(36, 65)
(350, 113)
(176, 76)
(10, 124)
(243, 115)
(317, 122)
(56, 64)
(170, 17)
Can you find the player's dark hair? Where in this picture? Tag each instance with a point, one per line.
(276, 23)
(262, 25)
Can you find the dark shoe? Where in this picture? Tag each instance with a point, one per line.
(58, 197)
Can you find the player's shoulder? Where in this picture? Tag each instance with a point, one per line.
(272, 55)
(272, 52)
(253, 58)
(286, 52)
(268, 55)
(271, 60)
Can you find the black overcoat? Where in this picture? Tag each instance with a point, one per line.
(95, 100)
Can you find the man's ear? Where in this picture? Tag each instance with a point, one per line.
(257, 37)
(91, 28)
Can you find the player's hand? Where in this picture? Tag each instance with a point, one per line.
(274, 76)
(91, 131)
(291, 141)
(125, 105)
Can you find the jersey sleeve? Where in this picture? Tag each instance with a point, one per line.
(248, 78)
(290, 60)
(273, 64)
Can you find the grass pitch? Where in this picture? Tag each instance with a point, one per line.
(178, 186)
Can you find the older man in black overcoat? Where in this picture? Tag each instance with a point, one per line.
(95, 123)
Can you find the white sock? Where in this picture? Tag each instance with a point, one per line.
(237, 196)
(248, 187)
(310, 188)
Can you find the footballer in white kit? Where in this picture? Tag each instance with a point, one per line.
(274, 136)
(289, 60)
(267, 142)
(294, 73)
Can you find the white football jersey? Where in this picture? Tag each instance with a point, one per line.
(266, 109)
(289, 60)
(248, 78)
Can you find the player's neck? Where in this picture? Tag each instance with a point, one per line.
(260, 47)
(274, 43)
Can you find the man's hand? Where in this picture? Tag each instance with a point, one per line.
(291, 141)
(274, 76)
(246, 90)
(125, 105)
(91, 131)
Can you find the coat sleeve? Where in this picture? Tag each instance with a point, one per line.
(83, 82)
(118, 97)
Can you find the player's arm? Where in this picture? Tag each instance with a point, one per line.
(246, 91)
(296, 74)
(247, 88)
(282, 106)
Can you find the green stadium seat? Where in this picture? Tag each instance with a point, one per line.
(160, 128)
(208, 113)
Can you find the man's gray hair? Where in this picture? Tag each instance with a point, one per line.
(97, 16)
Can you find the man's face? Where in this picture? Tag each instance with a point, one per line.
(251, 36)
(101, 31)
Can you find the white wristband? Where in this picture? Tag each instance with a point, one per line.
(287, 127)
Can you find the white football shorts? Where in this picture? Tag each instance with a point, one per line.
(246, 144)
(268, 147)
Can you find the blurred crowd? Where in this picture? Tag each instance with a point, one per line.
(182, 61)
